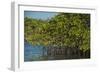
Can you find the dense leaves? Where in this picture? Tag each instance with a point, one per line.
(64, 29)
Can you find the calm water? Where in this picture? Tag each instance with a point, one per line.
(39, 52)
(32, 53)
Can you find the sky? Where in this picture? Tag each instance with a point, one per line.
(39, 15)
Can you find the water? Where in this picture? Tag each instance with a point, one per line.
(32, 53)
(40, 53)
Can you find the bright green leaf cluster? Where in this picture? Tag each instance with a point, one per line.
(64, 29)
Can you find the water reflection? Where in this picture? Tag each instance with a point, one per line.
(40, 52)
(32, 53)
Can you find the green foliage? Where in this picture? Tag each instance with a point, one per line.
(64, 29)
